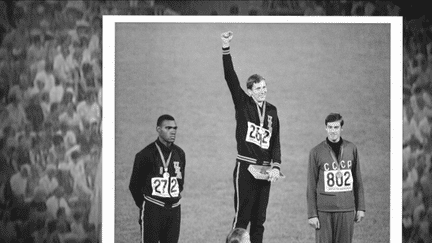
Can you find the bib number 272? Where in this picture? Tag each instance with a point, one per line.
(165, 187)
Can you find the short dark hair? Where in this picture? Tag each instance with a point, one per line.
(253, 79)
(163, 118)
(332, 117)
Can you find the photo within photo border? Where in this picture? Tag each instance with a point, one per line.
(108, 120)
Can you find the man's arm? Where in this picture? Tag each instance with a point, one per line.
(358, 189)
(274, 173)
(312, 178)
(231, 78)
(183, 159)
(137, 180)
(276, 148)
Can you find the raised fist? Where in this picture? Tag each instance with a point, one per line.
(226, 37)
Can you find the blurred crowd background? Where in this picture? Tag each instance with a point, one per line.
(50, 121)
(51, 107)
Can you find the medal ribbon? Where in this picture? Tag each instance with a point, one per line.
(334, 157)
(261, 115)
(165, 163)
(261, 118)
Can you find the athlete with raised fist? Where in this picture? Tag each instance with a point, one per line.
(258, 147)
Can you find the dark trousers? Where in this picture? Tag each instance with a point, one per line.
(251, 198)
(160, 224)
(335, 227)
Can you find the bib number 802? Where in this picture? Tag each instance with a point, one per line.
(338, 181)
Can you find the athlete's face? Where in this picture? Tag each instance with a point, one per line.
(167, 131)
(334, 130)
(259, 91)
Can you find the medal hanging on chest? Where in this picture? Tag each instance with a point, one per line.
(165, 163)
(261, 116)
(166, 174)
(338, 174)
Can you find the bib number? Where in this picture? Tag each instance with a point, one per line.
(165, 187)
(338, 181)
(258, 135)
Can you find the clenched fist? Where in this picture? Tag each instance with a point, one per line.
(226, 38)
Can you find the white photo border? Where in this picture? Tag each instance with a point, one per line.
(108, 121)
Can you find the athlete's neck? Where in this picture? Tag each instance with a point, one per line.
(167, 144)
(260, 103)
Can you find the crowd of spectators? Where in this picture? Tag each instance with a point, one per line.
(50, 121)
(417, 136)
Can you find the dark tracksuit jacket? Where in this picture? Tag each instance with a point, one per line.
(247, 117)
(251, 195)
(148, 165)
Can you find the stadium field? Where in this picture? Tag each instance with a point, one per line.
(311, 70)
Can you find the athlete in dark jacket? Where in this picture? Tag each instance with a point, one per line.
(258, 147)
(335, 196)
(156, 183)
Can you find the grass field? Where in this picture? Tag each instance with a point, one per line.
(311, 70)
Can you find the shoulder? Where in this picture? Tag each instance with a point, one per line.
(349, 144)
(271, 109)
(146, 150)
(270, 106)
(319, 147)
(178, 149)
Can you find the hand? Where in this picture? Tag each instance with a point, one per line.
(359, 216)
(273, 175)
(314, 222)
(226, 38)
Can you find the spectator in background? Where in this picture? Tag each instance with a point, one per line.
(57, 91)
(71, 118)
(77, 226)
(45, 104)
(78, 173)
(35, 113)
(357, 8)
(63, 224)
(20, 89)
(52, 234)
(18, 183)
(49, 182)
(62, 68)
(53, 117)
(234, 10)
(96, 35)
(5, 120)
(46, 76)
(253, 11)
(57, 151)
(370, 8)
(314, 8)
(37, 89)
(88, 109)
(36, 51)
(56, 202)
(16, 113)
(88, 82)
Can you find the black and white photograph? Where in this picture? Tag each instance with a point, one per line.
(247, 106)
